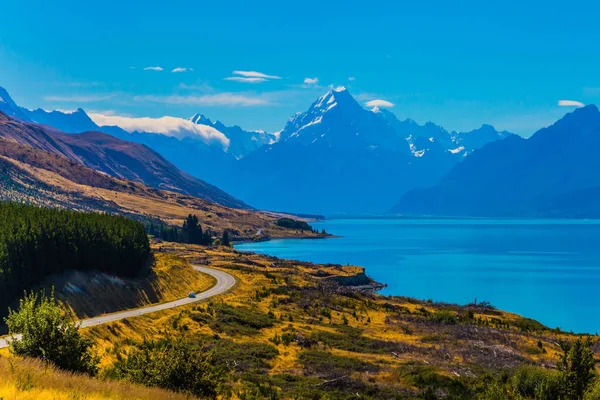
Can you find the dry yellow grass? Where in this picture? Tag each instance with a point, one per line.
(92, 293)
(450, 349)
(135, 199)
(27, 379)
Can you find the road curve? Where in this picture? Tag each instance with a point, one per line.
(224, 283)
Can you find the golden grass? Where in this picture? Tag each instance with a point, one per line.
(432, 344)
(28, 379)
(136, 199)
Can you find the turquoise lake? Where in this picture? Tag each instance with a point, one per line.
(548, 270)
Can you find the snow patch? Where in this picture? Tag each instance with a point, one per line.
(457, 150)
(313, 122)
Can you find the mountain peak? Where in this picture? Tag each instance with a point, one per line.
(584, 117)
(5, 97)
(200, 119)
(337, 96)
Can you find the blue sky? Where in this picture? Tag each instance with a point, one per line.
(459, 65)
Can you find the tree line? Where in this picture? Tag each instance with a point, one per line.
(36, 242)
(190, 232)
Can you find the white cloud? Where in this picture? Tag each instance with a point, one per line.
(181, 69)
(245, 80)
(217, 99)
(157, 68)
(311, 81)
(351, 79)
(79, 99)
(170, 126)
(379, 103)
(255, 74)
(570, 103)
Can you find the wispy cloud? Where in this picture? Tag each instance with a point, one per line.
(255, 74)
(311, 81)
(181, 69)
(157, 68)
(570, 103)
(216, 99)
(379, 103)
(79, 98)
(351, 79)
(170, 126)
(245, 80)
(250, 77)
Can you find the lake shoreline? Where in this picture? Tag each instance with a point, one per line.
(544, 269)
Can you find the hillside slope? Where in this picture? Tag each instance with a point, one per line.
(38, 177)
(555, 173)
(115, 157)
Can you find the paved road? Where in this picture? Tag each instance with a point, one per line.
(224, 283)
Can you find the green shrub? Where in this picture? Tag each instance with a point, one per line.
(248, 356)
(324, 363)
(426, 378)
(444, 317)
(529, 325)
(49, 332)
(351, 339)
(172, 364)
(536, 383)
(239, 320)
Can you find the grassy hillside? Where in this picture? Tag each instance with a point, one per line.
(38, 177)
(290, 330)
(32, 380)
(297, 330)
(95, 293)
(114, 157)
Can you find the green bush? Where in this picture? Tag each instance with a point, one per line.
(49, 332)
(529, 325)
(444, 317)
(247, 356)
(351, 339)
(535, 383)
(173, 364)
(239, 320)
(427, 379)
(324, 363)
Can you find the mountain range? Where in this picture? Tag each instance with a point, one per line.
(555, 173)
(113, 157)
(336, 157)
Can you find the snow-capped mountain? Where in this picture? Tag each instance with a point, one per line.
(433, 139)
(555, 173)
(9, 107)
(334, 157)
(336, 119)
(241, 142)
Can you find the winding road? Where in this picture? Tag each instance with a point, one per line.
(224, 283)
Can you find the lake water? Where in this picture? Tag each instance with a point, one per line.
(548, 270)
